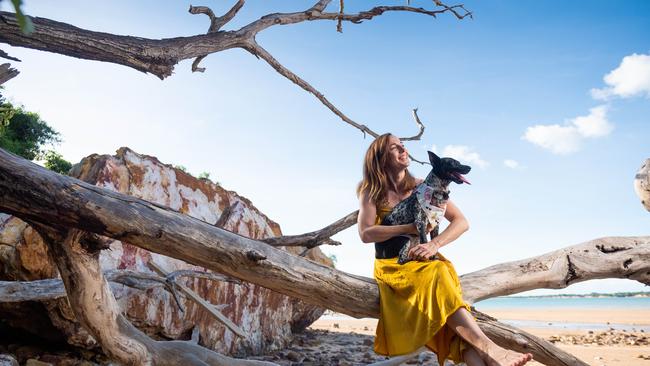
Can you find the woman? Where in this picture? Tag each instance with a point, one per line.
(420, 301)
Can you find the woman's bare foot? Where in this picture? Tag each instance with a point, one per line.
(498, 356)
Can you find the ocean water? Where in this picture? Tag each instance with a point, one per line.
(541, 303)
(564, 303)
(578, 303)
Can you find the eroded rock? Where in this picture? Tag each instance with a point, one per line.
(267, 317)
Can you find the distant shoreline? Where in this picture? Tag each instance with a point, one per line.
(590, 295)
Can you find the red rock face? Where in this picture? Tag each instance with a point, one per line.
(266, 317)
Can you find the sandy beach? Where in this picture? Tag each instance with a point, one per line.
(336, 339)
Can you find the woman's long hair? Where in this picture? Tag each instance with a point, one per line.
(375, 181)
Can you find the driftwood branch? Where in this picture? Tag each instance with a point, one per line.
(201, 302)
(52, 288)
(88, 290)
(260, 52)
(613, 257)
(642, 184)
(5, 55)
(215, 25)
(159, 56)
(7, 73)
(49, 289)
(34, 193)
(521, 341)
(315, 238)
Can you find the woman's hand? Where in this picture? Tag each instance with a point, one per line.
(424, 251)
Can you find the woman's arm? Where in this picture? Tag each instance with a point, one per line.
(457, 225)
(369, 232)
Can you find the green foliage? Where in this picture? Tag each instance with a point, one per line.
(54, 161)
(202, 176)
(23, 20)
(24, 133)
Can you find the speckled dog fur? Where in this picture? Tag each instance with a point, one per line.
(443, 172)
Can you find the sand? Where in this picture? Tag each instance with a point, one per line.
(614, 349)
(613, 316)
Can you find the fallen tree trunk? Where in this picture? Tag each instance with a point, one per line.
(77, 257)
(612, 257)
(36, 194)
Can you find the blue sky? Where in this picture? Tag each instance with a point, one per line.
(488, 89)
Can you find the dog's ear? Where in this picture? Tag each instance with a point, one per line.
(433, 158)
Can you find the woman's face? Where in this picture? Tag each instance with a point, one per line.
(398, 156)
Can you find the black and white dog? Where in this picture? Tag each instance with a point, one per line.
(427, 204)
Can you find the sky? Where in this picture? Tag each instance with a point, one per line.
(547, 101)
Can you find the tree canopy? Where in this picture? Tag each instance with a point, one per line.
(24, 133)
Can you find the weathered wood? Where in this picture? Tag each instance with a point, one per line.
(642, 184)
(519, 340)
(77, 259)
(318, 237)
(37, 194)
(158, 56)
(52, 288)
(7, 73)
(201, 302)
(612, 257)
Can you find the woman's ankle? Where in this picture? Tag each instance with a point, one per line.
(489, 348)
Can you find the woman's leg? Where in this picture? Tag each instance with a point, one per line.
(462, 322)
(472, 358)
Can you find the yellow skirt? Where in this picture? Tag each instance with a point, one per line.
(415, 300)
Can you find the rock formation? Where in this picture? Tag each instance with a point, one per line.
(267, 317)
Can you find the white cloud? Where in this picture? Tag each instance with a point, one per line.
(595, 124)
(463, 154)
(630, 78)
(558, 139)
(512, 164)
(568, 138)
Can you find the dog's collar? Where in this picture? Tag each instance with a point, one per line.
(424, 194)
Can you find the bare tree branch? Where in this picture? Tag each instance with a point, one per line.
(610, 257)
(270, 20)
(7, 73)
(5, 55)
(207, 11)
(453, 9)
(159, 56)
(215, 25)
(339, 23)
(200, 301)
(173, 276)
(315, 238)
(220, 22)
(319, 6)
(257, 50)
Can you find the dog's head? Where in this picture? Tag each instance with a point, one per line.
(448, 169)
